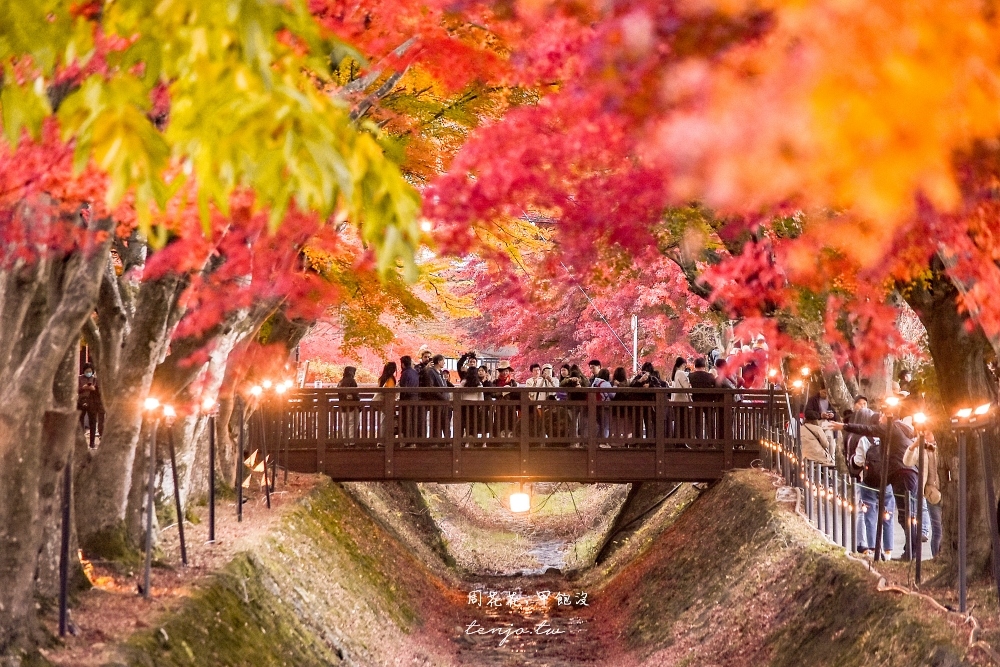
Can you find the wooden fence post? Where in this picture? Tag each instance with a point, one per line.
(727, 430)
(591, 433)
(389, 429)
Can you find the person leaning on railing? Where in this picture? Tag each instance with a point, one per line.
(898, 436)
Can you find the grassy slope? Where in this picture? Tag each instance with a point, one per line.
(329, 585)
(739, 580)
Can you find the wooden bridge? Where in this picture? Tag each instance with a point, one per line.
(515, 434)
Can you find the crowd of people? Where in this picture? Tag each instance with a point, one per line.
(494, 411)
(870, 444)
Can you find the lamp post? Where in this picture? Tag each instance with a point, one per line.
(960, 424)
(920, 421)
(280, 390)
(977, 421)
(67, 492)
(982, 417)
(150, 404)
(772, 375)
(169, 413)
(798, 384)
(211, 408)
(241, 410)
(256, 391)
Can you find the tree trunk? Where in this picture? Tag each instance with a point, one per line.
(36, 428)
(106, 476)
(960, 353)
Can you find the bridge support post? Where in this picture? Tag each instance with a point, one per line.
(727, 431)
(389, 430)
(456, 434)
(322, 431)
(661, 432)
(523, 432)
(592, 434)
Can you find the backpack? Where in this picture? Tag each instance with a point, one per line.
(872, 473)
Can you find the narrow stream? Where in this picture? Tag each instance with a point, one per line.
(513, 620)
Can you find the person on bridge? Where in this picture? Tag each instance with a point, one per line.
(387, 380)
(473, 408)
(681, 419)
(595, 369)
(438, 413)
(506, 411)
(705, 418)
(388, 377)
(645, 419)
(350, 405)
(408, 410)
(484, 376)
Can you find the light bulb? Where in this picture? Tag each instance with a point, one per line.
(280, 389)
(266, 384)
(805, 371)
(151, 403)
(256, 390)
(797, 384)
(168, 411)
(920, 418)
(892, 401)
(520, 502)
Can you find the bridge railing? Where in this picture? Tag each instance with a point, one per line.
(309, 426)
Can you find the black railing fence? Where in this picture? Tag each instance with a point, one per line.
(835, 502)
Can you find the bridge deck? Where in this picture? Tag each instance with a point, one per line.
(514, 434)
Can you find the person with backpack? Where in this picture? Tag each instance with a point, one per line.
(864, 462)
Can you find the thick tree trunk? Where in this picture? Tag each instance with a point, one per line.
(960, 353)
(36, 428)
(839, 393)
(105, 478)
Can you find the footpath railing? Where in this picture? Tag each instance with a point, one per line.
(835, 502)
(486, 433)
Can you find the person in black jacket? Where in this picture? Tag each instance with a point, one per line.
(706, 419)
(408, 410)
(897, 436)
(645, 416)
(432, 378)
(89, 403)
(349, 405)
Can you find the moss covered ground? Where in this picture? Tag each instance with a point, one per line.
(725, 577)
(739, 579)
(329, 585)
